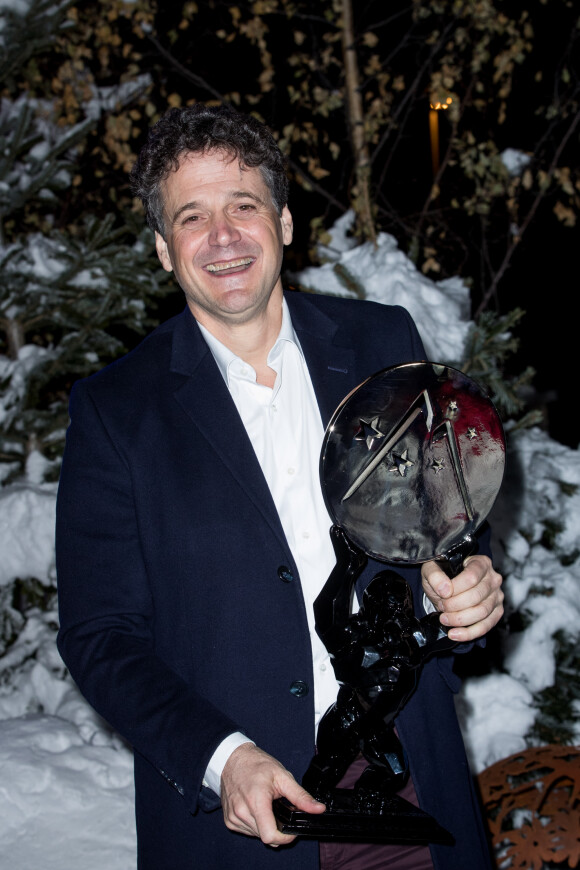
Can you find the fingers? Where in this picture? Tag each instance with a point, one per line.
(470, 603)
(251, 780)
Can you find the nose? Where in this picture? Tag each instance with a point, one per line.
(223, 231)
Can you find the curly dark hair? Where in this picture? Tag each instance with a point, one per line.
(199, 129)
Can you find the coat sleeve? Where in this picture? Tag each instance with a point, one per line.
(106, 613)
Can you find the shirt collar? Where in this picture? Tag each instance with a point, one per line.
(224, 357)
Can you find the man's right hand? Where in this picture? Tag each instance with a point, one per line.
(251, 780)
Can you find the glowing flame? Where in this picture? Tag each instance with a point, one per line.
(439, 105)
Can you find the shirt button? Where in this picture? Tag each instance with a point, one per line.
(285, 574)
(323, 667)
(299, 688)
(305, 534)
(290, 470)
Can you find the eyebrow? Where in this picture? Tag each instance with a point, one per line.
(234, 195)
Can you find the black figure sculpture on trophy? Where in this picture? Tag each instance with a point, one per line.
(411, 464)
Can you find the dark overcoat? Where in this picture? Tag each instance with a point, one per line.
(176, 620)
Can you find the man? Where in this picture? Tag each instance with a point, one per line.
(192, 539)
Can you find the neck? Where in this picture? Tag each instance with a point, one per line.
(253, 340)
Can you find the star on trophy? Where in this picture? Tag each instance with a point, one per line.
(411, 463)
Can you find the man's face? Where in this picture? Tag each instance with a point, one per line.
(223, 238)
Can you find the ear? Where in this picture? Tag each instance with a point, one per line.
(163, 252)
(287, 225)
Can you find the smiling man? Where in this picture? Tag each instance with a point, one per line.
(223, 238)
(193, 539)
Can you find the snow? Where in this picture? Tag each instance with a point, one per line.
(498, 712)
(14, 374)
(66, 793)
(108, 98)
(440, 310)
(19, 6)
(514, 161)
(70, 803)
(26, 532)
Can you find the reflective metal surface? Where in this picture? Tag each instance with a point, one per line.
(412, 461)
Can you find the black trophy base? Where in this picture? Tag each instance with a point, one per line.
(398, 821)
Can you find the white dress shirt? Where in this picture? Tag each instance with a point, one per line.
(286, 431)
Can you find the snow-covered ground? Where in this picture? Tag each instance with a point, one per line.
(66, 799)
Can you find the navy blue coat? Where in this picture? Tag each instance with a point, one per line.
(174, 620)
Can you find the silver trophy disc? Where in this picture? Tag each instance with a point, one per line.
(412, 461)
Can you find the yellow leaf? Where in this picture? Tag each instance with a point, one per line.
(563, 176)
(373, 66)
(565, 214)
(430, 265)
(370, 39)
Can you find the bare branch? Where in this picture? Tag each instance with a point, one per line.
(406, 103)
(183, 71)
(363, 205)
(529, 217)
(315, 186)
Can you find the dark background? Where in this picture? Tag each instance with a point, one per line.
(541, 278)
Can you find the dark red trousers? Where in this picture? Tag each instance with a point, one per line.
(374, 856)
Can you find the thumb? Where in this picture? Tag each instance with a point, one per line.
(435, 578)
(302, 799)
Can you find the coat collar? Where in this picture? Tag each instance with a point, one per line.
(188, 348)
(328, 350)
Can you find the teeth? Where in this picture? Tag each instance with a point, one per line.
(219, 267)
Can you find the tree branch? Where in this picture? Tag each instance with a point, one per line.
(315, 186)
(362, 204)
(528, 218)
(183, 71)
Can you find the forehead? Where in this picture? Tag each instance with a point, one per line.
(213, 172)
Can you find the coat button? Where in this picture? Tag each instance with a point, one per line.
(285, 574)
(299, 688)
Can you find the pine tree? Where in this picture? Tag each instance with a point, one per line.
(77, 289)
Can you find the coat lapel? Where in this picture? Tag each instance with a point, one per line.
(205, 398)
(331, 361)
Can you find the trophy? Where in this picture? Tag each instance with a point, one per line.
(411, 463)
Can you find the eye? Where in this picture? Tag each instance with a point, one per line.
(246, 206)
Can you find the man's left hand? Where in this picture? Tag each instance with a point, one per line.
(471, 603)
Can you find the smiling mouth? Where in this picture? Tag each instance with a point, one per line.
(233, 264)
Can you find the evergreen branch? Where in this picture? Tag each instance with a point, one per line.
(26, 34)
